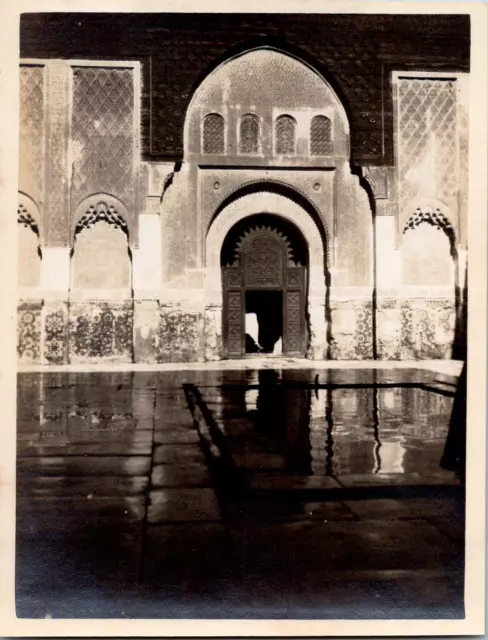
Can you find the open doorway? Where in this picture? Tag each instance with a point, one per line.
(264, 262)
(264, 322)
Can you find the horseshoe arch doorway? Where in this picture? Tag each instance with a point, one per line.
(264, 262)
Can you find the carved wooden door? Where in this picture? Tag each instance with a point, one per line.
(294, 327)
(263, 263)
(234, 310)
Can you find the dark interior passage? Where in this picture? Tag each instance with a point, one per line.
(268, 307)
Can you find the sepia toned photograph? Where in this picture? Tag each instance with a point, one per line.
(242, 316)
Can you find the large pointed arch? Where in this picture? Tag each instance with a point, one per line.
(304, 66)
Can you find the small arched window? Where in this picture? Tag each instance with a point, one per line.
(249, 134)
(320, 136)
(213, 133)
(285, 135)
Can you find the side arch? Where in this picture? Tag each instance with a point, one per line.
(428, 209)
(29, 242)
(101, 258)
(100, 206)
(28, 213)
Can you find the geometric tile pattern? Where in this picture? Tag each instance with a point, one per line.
(29, 331)
(180, 335)
(214, 133)
(427, 124)
(103, 132)
(55, 335)
(100, 330)
(31, 130)
(426, 329)
(285, 132)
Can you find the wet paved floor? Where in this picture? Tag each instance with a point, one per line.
(246, 494)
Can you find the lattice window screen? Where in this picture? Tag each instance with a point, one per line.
(285, 132)
(103, 129)
(249, 134)
(31, 130)
(320, 136)
(214, 133)
(427, 139)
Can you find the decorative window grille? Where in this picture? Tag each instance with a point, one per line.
(285, 135)
(320, 136)
(249, 134)
(427, 138)
(213, 133)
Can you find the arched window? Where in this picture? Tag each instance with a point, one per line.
(249, 134)
(428, 249)
(101, 257)
(320, 136)
(213, 133)
(285, 135)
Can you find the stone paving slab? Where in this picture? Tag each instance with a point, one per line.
(290, 510)
(84, 561)
(101, 466)
(339, 545)
(178, 454)
(183, 505)
(387, 479)
(67, 487)
(290, 483)
(177, 475)
(61, 513)
(390, 509)
(87, 449)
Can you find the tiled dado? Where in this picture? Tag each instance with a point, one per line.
(58, 332)
(415, 328)
(29, 331)
(55, 332)
(181, 335)
(100, 330)
(351, 329)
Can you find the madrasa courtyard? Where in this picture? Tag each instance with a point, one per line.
(241, 318)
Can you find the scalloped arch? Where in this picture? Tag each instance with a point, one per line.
(103, 206)
(428, 208)
(258, 231)
(28, 213)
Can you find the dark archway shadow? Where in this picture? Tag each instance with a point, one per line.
(460, 346)
(454, 456)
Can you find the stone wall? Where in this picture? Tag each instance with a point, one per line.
(116, 263)
(177, 51)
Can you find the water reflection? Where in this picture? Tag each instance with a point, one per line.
(348, 430)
